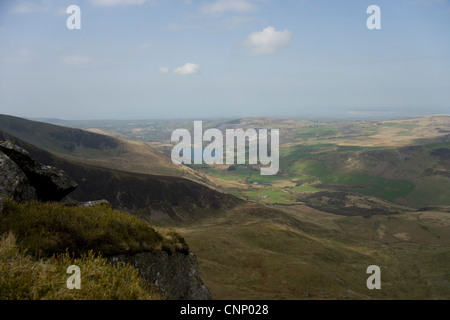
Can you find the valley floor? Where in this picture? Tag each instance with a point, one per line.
(301, 253)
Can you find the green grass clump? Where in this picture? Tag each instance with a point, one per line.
(45, 229)
(24, 278)
(39, 241)
(173, 242)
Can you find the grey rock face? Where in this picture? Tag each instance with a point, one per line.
(50, 184)
(14, 183)
(176, 275)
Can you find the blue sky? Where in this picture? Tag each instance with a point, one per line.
(149, 59)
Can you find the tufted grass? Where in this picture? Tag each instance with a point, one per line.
(24, 278)
(39, 241)
(45, 229)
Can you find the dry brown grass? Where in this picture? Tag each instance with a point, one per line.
(24, 278)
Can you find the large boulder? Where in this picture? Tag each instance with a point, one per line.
(14, 184)
(49, 183)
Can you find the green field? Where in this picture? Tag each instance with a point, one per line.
(241, 173)
(315, 162)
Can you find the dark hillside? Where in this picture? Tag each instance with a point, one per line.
(91, 148)
(54, 137)
(176, 198)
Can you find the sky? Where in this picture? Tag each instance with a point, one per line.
(154, 59)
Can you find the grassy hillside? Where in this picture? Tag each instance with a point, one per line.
(347, 199)
(44, 229)
(257, 252)
(393, 160)
(403, 162)
(167, 197)
(22, 277)
(38, 241)
(92, 148)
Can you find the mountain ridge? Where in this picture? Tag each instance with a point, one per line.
(167, 197)
(92, 148)
(259, 250)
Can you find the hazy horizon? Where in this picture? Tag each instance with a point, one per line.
(325, 117)
(306, 117)
(198, 59)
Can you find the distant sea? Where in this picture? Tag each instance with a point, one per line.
(349, 114)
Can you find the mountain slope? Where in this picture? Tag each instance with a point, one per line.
(249, 250)
(92, 148)
(163, 198)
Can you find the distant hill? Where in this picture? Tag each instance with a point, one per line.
(161, 198)
(342, 198)
(93, 148)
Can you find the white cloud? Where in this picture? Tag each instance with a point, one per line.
(26, 7)
(76, 59)
(43, 6)
(188, 68)
(62, 11)
(267, 41)
(163, 70)
(222, 6)
(142, 46)
(112, 3)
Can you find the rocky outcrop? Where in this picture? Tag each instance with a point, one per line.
(175, 274)
(14, 183)
(49, 183)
